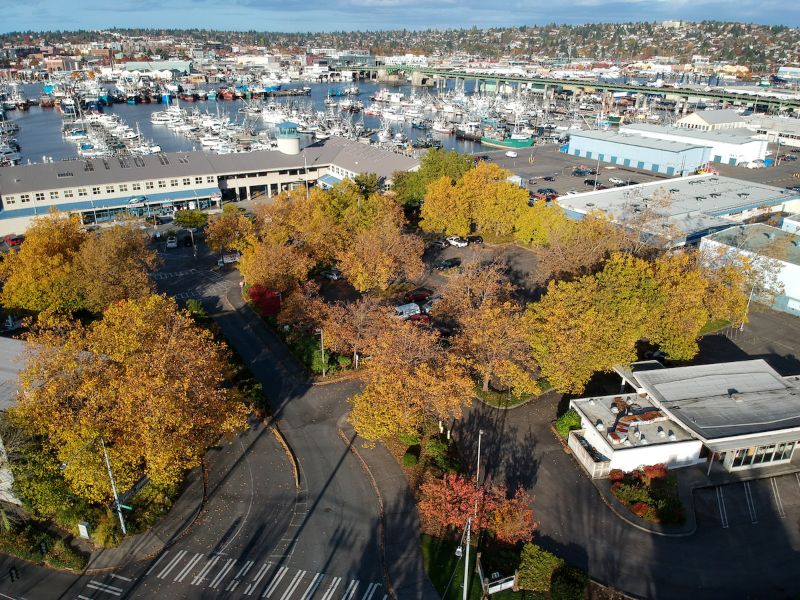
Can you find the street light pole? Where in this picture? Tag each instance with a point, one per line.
(466, 559)
(113, 488)
(478, 470)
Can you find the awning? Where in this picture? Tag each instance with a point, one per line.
(328, 181)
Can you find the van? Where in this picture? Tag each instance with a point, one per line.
(404, 311)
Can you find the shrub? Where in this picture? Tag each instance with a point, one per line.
(61, 556)
(536, 568)
(439, 452)
(410, 459)
(569, 583)
(567, 422)
(267, 303)
(409, 439)
(616, 475)
(344, 362)
(652, 472)
(197, 310)
(640, 509)
(631, 493)
(106, 532)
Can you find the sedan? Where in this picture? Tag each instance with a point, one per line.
(616, 180)
(549, 178)
(14, 240)
(418, 295)
(440, 244)
(475, 239)
(457, 241)
(332, 274)
(511, 154)
(172, 242)
(449, 263)
(419, 319)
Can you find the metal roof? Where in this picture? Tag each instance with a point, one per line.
(725, 136)
(757, 238)
(725, 400)
(717, 117)
(635, 140)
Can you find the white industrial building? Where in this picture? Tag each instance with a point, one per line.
(737, 416)
(758, 241)
(712, 120)
(780, 130)
(729, 146)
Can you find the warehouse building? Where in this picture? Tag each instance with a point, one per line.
(737, 416)
(100, 189)
(780, 130)
(729, 146)
(637, 152)
(682, 210)
(712, 120)
(777, 249)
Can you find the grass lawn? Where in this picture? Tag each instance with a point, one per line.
(441, 563)
(714, 325)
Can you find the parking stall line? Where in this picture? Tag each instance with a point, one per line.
(751, 505)
(275, 581)
(237, 579)
(115, 576)
(155, 564)
(223, 572)
(102, 587)
(312, 587)
(331, 588)
(723, 511)
(351, 590)
(373, 587)
(778, 500)
(187, 569)
(296, 581)
(172, 564)
(204, 571)
(257, 579)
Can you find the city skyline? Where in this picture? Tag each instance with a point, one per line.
(345, 15)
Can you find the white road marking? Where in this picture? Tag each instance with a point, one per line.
(312, 587)
(259, 575)
(751, 505)
(187, 569)
(373, 587)
(332, 588)
(115, 576)
(237, 578)
(293, 585)
(155, 564)
(275, 581)
(102, 587)
(172, 564)
(778, 501)
(80, 596)
(723, 512)
(204, 571)
(224, 571)
(351, 590)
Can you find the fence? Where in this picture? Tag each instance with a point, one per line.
(597, 469)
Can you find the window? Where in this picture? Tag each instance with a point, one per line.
(209, 179)
(136, 186)
(9, 200)
(67, 193)
(53, 195)
(109, 189)
(198, 180)
(25, 198)
(173, 183)
(148, 185)
(40, 196)
(96, 191)
(82, 192)
(162, 183)
(187, 181)
(123, 187)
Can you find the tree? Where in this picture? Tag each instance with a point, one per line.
(496, 202)
(191, 218)
(410, 187)
(447, 208)
(277, 267)
(349, 327)
(231, 230)
(534, 225)
(112, 265)
(512, 519)
(41, 275)
(536, 568)
(473, 286)
(156, 415)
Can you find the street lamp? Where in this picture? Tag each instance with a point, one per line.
(117, 504)
(321, 333)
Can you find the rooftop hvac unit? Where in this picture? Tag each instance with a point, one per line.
(614, 409)
(643, 441)
(599, 424)
(671, 436)
(661, 432)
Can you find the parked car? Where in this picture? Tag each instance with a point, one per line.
(475, 239)
(616, 180)
(580, 172)
(332, 274)
(511, 154)
(172, 242)
(789, 157)
(571, 192)
(546, 194)
(419, 319)
(406, 311)
(14, 240)
(549, 178)
(418, 295)
(794, 188)
(137, 200)
(449, 263)
(589, 181)
(440, 244)
(428, 305)
(457, 241)
(188, 242)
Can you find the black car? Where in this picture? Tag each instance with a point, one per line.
(790, 157)
(794, 188)
(589, 181)
(440, 244)
(549, 177)
(580, 172)
(474, 239)
(187, 241)
(449, 263)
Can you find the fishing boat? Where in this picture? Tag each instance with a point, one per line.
(470, 131)
(440, 126)
(499, 139)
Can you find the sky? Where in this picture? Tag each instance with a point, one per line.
(327, 15)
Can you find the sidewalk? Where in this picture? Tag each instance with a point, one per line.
(172, 527)
(402, 551)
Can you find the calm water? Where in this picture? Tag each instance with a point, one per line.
(40, 128)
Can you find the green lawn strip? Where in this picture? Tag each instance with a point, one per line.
(714, 325)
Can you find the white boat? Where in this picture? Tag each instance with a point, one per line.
(440, 126)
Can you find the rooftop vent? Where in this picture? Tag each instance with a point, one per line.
(661, 432)
(599, 425)
(65, 174)
(614, 409)
(671, 436)
(643, 441)
(770, 235)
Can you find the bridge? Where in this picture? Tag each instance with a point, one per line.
(440, 76)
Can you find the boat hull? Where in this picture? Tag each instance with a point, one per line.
(506, 143)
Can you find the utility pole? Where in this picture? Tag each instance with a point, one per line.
(478, 470)
(466, 560)
(113, 488)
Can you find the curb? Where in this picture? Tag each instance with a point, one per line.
(374, 483)
(273, 427)
(360, 374)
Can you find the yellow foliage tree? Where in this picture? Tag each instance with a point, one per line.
(145, 378)
(496, 202)
(277, 267)
(447, 208)
(534, 225)
(231, 230)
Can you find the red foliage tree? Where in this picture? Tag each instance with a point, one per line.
(512, 519)
(640, 509)
(267, 303)
(449, 501)
(651, 472)
(616, 475)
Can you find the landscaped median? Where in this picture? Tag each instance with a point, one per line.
(650, 493)
(37, 545)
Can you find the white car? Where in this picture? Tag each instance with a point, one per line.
(571, 193)
(511, 154)
(457, 241)
(172, 242)
(616, 180)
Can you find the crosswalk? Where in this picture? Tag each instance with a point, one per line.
(238, 577)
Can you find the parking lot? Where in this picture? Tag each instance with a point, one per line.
(760, 502)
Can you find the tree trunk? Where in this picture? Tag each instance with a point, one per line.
(486, 379)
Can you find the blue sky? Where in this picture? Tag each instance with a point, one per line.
(316, 15)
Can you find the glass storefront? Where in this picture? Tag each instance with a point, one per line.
(760, 455)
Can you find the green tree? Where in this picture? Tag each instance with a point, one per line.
(410, 187)
(191, 218)
(536, 569)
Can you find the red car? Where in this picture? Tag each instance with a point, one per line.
(14, 240)
(418, 295)
(419, 319)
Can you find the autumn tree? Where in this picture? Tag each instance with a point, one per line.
(473, 286)
(191, 218)
(512, 520)
(230, 230)
(351, 327)
(277, 267)
(41, 275)
(447, 208)
(533, 226)
(144, 379)
(114, 264)
(496, 202)
(410, 186)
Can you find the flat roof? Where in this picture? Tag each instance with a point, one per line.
(725, 400)
(12, 360)
(635, 140)
(758, 237)
(790, 125)
(727, 136)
